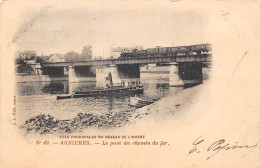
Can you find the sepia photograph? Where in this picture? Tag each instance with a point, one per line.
(130, 83)
(78, 68)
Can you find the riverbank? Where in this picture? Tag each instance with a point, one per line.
(49, 124)
(176, 102)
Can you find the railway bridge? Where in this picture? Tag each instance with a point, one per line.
(183, 68)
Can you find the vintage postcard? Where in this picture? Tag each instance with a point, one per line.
(132, 84)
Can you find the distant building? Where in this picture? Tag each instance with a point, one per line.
(115, 52)
(28, 55)
(56, 58)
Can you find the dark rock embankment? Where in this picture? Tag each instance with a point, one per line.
(47, 124)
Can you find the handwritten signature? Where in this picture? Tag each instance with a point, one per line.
(218, 146)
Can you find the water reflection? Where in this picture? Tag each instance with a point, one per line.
(59, 87)
(40, 98)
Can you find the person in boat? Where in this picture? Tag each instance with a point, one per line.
(107, 86)
(139, 84)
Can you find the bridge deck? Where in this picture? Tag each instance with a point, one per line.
(137, 60)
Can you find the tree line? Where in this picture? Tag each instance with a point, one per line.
(86, 54)
(25, 68)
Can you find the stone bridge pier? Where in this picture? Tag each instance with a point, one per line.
(120, 74)
(187, 73)
(37, 68)
(72, 74)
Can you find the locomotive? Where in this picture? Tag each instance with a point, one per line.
(169, 51)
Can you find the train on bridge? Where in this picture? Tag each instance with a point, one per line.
(169, 51)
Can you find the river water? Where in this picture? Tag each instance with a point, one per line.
(35, 98)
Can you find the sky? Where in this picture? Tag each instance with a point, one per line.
(60, 28)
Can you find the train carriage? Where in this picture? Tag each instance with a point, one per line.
(126, 55)
(164, 50)
(181, 50)
(169, 51)
(141, 53)
(152, 51)
(173, 50)
(201, 48)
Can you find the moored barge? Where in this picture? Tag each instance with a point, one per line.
(113, 90)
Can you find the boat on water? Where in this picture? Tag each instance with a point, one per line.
(108, 90)
(140, 102)
(115, 90)
(134, 101)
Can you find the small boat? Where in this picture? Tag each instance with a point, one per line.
(139, 102)
(115, 90)
(134, 101)
(64, 97)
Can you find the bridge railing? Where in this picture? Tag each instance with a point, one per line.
(135, 60)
